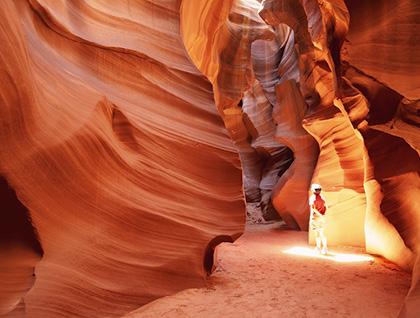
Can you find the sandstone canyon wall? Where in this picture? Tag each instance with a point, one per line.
(111, 140)
(346, 113)
(124, 127)
(383, 63)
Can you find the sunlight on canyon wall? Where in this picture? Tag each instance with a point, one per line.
(342, 113)
(132, 132)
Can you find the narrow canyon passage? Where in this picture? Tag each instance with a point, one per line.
(263, 275)
(134, 134)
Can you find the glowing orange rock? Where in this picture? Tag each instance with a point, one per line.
(119, 146)
(116, 149)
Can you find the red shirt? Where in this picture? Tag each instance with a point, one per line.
(317, 201)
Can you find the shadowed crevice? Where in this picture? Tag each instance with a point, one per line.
(208, 260)
(16, 225)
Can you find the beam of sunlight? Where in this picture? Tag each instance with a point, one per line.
(333, 256)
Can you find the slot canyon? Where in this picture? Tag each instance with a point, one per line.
(148, 147)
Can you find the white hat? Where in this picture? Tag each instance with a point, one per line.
(315, 187)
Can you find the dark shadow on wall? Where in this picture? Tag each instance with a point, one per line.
(208, 260)
(397, 169)
(15, 221)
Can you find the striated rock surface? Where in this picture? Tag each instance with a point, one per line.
(382, 53)
(383, 42)
(20, 252)
(111, 139)
(338, 105)
(131, 162)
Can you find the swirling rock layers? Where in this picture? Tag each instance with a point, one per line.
(111, 139)
(336, 101)
(127, 157)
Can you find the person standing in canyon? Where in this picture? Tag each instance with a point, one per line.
(318, 209)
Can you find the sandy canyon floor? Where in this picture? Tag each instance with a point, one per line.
(270, 272)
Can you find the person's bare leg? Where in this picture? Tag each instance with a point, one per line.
(323, 242)
(318, 241)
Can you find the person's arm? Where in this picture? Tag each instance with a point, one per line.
(311, 201)
(314, 210)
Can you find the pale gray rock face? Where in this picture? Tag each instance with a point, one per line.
(273, 61)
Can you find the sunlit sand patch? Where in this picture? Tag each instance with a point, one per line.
(333, 256)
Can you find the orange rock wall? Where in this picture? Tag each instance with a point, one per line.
(347, 94)
(111, 139)
(127, 157)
